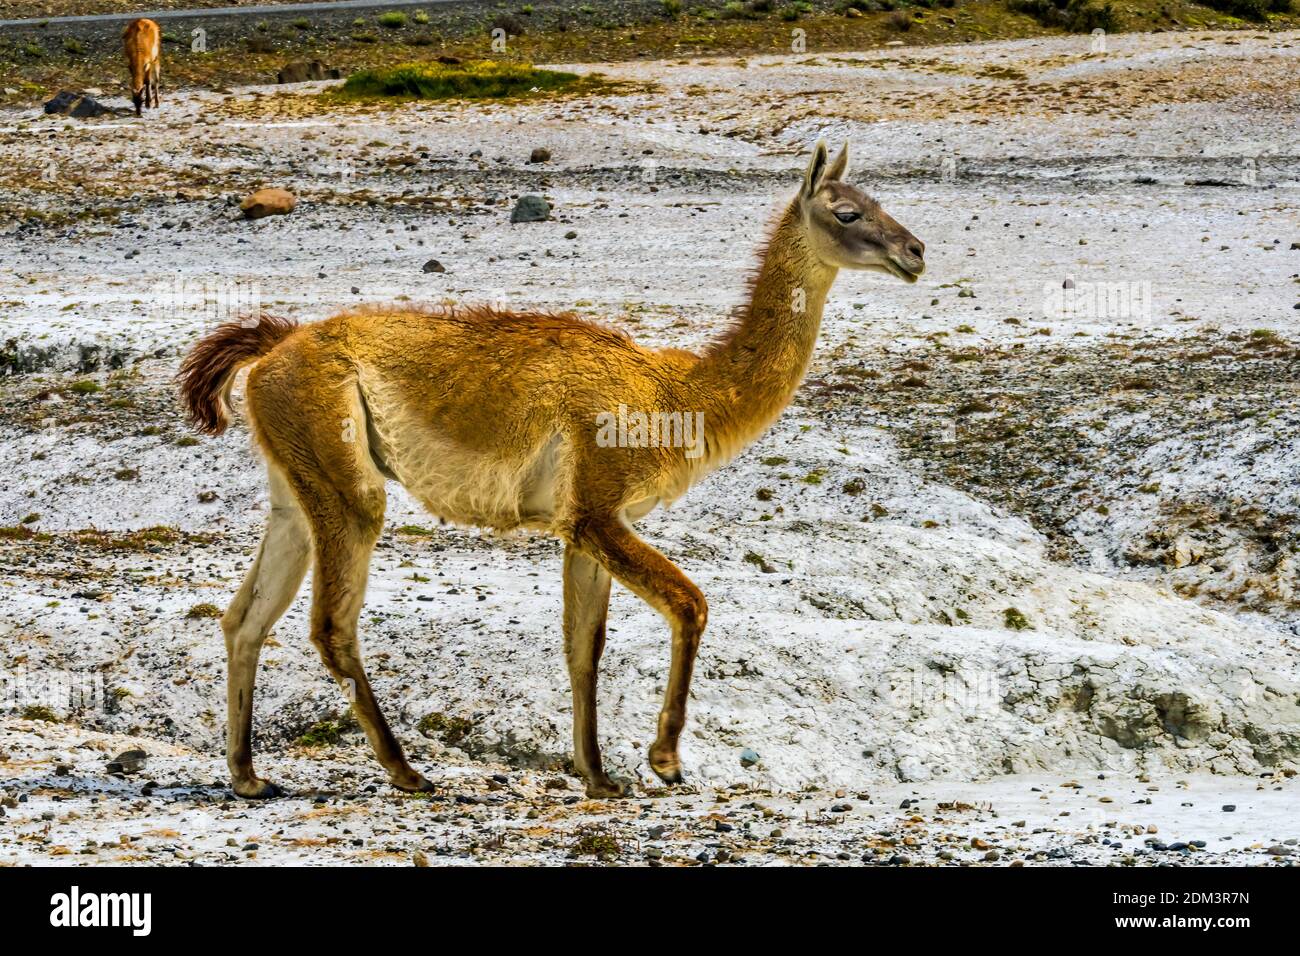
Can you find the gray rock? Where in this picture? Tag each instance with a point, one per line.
(433, 265)
(531, 209)
(748, 757)
(129, 761)
(66, 103)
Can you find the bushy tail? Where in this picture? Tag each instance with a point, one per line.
(208, 372)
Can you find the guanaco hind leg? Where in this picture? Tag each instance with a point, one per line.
(344, 542)
(325, 455)
(267, 591)
(586, 602)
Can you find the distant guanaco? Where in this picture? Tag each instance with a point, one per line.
(143, 42)
(493, 418)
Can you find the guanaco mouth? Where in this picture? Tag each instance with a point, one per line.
(903, 272)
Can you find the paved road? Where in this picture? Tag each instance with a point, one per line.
(264, 10)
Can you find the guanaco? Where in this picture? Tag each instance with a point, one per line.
(143, 42)
(492, 418)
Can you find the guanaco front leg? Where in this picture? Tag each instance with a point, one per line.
(661, 584)
(586, 602)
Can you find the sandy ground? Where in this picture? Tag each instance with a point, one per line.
(1122, 478)
(176, 811)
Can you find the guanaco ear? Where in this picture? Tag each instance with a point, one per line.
(840, 166)
(812, 177)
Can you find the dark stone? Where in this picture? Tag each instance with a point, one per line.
(129, 761)
(433, 265)
(79, 105)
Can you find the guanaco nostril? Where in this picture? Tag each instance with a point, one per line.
(916, 247)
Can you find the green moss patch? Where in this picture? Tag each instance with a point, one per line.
(451, 730)
(483, 79)
(329, 732)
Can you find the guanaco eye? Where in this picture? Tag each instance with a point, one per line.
(848, 216)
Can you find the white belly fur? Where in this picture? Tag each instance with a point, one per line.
(466, 487)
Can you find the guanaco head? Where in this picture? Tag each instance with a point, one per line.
(848, 229)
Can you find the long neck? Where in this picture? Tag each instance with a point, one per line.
(750, 374)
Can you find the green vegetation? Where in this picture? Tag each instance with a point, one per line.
(451, 730)
(484, 79)
(1257, 10)
(20, 533)
(39, 712)
(1076, 16)
(416, 531)
(1015, 620)
(330, 731)
(593, 840)
(393, 20)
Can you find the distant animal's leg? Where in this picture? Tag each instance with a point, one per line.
(267, 591)
(586, 601)
(157, 81)
(662, 585)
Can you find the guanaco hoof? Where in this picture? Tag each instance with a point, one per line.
(609, 789)
(259, 790)
(417, 785)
